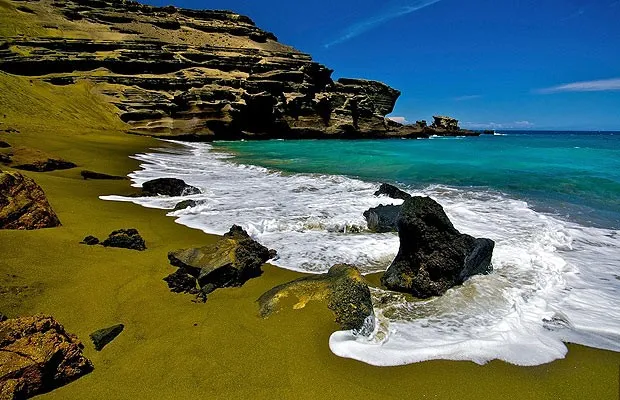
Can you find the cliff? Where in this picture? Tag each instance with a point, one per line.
(195, 75)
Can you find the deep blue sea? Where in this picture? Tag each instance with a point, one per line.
(549, 200)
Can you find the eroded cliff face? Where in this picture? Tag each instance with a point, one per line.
(200, 75)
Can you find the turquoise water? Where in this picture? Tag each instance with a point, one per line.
(575, 175)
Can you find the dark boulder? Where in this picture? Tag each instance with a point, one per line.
(382, 219)
(182, 282)
(182, 205)
(342, 287)
(125, 239)
(392, 191)
(90, 241)
(168, 187)
(99, 176)
(47, 165)
(37, 355)
(4, 145)
(231, 261)
(433, 255)
(23, 204)
(104, 336)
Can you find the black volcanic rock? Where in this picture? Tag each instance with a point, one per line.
(230, 262)
(125, 239)
(433, 255)
(104, 336)
(168, 187)
(46, 165)
(90, 241)
(392, 191)
(100, 176)
(182, 205)
(382, 219)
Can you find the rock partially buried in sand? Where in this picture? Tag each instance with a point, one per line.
(392, 191)
(382, 219)
(231, 261)
(23, 204)
(100, 176)
(433, 255)
(168, 187)
(90, 241)
(104, 336)
(342, 287)
(46, 165)
(37, 355)
(4, 145)
(125, 239)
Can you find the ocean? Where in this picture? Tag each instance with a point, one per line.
(550, 201)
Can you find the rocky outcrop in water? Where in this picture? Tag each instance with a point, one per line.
(392, 191)
(229, 262)
(382, 219)
(342, 287)
(197, 75)
(23, 204)
(168, 187)
(37, 355)
(433, 255)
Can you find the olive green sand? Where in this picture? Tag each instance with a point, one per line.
(173, 348)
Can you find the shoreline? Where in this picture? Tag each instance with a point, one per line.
(231, 351)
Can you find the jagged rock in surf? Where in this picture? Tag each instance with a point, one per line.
(433, 255)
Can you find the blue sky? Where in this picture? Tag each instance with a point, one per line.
(507, 64)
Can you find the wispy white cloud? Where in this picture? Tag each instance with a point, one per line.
(382, 17)
(400, 120)
(499, 125)
(603, 85)
(467, 98)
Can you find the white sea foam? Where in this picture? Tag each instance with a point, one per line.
(553, 281)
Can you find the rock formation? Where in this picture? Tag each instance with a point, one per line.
(231, 261)
(392, 191)
(36, 356)
(433, 255)
(23, 204)
(100, 176)
(103, 337)
(182, 205)
(342, 287)
(124, 239)
(168, 187)
(382, 219)
(197, 75)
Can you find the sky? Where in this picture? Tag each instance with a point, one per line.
(492, 64)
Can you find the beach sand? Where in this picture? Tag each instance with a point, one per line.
(175, 348)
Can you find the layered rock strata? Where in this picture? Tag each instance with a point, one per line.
(196, 75)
